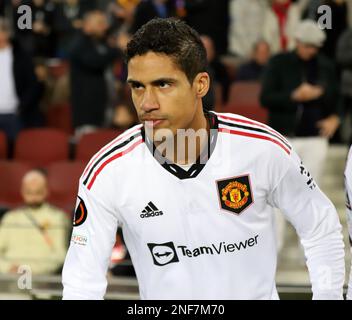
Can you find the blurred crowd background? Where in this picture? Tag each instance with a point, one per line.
(63, 96)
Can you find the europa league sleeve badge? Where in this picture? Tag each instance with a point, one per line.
(81, 213)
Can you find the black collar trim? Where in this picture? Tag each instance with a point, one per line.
(197, 167)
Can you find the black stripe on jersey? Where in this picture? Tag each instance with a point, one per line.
(105, 155)
(151, 204)
(255, 129)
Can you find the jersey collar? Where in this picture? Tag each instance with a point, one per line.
(204, 157)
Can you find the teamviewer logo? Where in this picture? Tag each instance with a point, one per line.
(163, 253)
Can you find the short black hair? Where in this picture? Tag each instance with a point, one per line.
(174, 38)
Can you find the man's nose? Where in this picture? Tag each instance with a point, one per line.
(149, 102)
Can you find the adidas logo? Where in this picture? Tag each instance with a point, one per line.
(151, 211)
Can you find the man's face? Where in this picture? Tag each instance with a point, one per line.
(34, 190)
(305, 51)
(97, 25)
(162, 94)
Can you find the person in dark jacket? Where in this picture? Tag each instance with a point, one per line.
(2, 7)
(254, 68)
(40, 40)
(19, 91)
(344, 60)
(300, 90)
(211, 18)
(218, 75)
(68, 17)
(90, 57)
(149, 9)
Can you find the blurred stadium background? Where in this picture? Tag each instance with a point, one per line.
(60, 130)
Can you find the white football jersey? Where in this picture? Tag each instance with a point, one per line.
(348, 186)
(207, 232)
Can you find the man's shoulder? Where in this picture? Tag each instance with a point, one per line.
(120, 142)
(113, 152)
(238, 120)
(253, 131)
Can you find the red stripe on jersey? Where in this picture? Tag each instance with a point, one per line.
(252, 135)
(255, 124)
(116, 156)
(117, 139)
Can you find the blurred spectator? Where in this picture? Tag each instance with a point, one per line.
(120, 13)
(344, 59)
(39, 41)
(19, 91)
(247, 18)
(7, 8)
(149, 9)
(67, 20)
(90, 55)
(281, 21)
(46, 86)
(2, 8)
(211, 18)
(313, 6)
(124, 117)
(301, 92)
(218, 75)
(36, 234)
(253, 69)
(339, 23)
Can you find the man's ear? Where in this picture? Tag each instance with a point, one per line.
(201, 83)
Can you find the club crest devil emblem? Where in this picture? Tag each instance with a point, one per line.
(235, 193)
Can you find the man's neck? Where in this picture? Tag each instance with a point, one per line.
(188, 144)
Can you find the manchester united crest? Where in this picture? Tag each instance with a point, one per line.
(235, 193)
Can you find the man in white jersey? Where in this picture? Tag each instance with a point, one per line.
(348, 186)
(198, 222)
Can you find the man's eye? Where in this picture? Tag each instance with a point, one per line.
(136, 86)
(164, 85)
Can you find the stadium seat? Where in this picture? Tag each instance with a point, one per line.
(11, 173)
(90, 143)
(42, 146)
(63, 180)
(244, 100)
(3, 145)
(60, 117)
